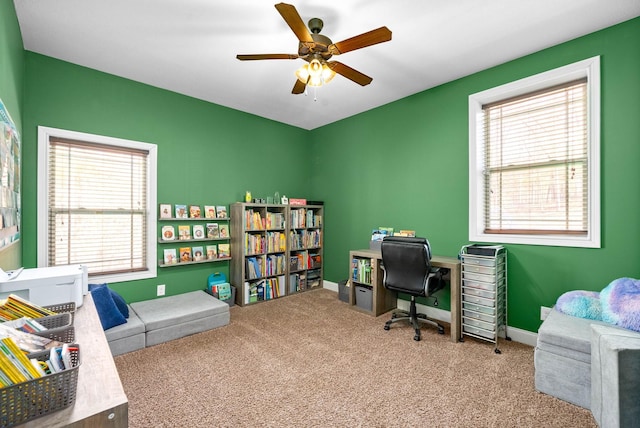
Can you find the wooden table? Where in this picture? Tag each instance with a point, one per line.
(384, 300)
(100, 398)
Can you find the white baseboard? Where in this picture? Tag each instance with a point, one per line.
(516, 334)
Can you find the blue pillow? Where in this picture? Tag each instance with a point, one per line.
(108, 312)
(121, 304)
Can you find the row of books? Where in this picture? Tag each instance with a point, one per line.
(15, 307)
(266, 289)
(193, 211)
(361, 270)
(253, 220)
(303, 260)
(196, 254)
(186, 232)
(254, 267)
(302, 217)
(301, 239)
(297, 282)
(256, 243)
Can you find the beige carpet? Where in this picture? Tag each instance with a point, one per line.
(310, 361)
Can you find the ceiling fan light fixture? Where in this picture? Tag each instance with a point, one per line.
(315, 73)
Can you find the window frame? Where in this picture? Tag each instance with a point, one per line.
(589, 68)
(44, 135)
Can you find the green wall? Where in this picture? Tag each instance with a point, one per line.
(405, 165)
(11, 92)
(207, 154)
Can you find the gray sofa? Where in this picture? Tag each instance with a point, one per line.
(592, 364)
(159, 320)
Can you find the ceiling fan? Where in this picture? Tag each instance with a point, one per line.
(317, 49)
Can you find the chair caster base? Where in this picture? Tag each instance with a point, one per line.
(440, 330)
(416, 338)
(386, 327)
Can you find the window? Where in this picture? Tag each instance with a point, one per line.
(534, 159)
(96, 204)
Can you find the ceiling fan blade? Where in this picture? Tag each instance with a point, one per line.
(349, 73)
(298, 87)
(379, 35)
(293, 19)
(252, 57)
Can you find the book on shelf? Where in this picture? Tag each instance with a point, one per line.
(194, 211)
(209, 211)
(224, 231)
(185, 254)
(165, 210)
(213, 231)
(184, 232)
(198, 231)
(181, 211)
(212, 252)
(170, 256)
(168, 233)
(223, 251)
(221, 211)
(198, 254)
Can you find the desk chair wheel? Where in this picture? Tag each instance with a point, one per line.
(416, 338)
(387, 326)
(440, 329)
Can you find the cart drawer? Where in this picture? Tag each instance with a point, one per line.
(479, 316)
(478, 308)
(480, 324)
(478, 300)
(470, 291)
(478, 332)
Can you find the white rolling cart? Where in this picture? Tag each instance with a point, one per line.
(484, 292)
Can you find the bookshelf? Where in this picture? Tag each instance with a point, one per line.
(276, 250)
(206, 239)
(367, 292)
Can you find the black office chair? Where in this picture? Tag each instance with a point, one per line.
(407, 269)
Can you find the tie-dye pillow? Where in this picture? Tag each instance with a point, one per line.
(580, 303)
(621, 303)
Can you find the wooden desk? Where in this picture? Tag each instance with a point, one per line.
(385, 300)
(100, 398)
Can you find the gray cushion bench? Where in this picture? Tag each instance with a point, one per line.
(592, 364)
(126, 337)
(160, 320)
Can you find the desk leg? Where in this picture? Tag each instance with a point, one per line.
(455, 285)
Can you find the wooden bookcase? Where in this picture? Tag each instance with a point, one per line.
(276, 250)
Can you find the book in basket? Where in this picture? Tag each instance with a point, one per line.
(224, 291)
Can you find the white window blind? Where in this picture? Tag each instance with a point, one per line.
(97, 206)
(536, 162)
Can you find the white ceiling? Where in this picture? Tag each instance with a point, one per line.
(190, 46)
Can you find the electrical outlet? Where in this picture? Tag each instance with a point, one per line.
(160, 290)
(544, 311)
